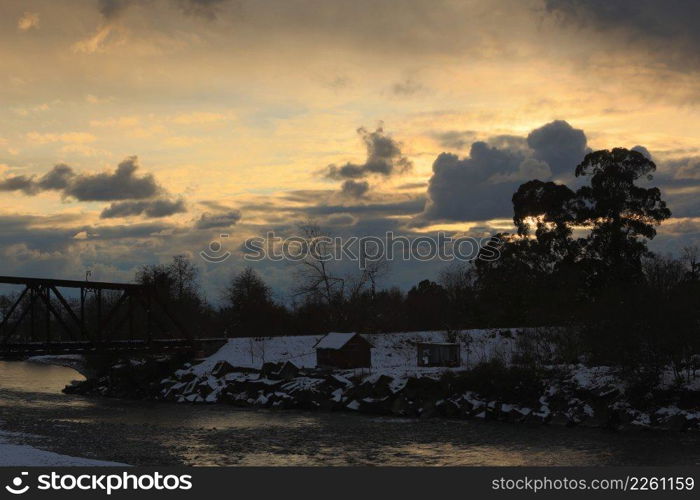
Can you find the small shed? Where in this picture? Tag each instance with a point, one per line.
(438, 354)
(343, 350)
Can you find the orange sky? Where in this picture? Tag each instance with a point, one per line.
(239, 106)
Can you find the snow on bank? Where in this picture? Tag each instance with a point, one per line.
(390, 352)
(23, 455)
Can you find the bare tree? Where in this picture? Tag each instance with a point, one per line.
(368, 277)
(185, 276)
(316, 279)
(691, 257)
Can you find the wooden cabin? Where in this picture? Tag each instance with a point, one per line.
(438, 354)
(343, 350)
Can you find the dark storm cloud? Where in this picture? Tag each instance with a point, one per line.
(354, 189)
(560, 145)
(669, 28)
(57, 179)
(40, 232)
(221, 220)
(121, 184)
(151, 208)
(384, 157)
(461, 189)
(19, 183)
(679, 181)
(480, 186)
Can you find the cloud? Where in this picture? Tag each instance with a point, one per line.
(58, 178)
(151, 208)
(221, 220)
(643, 150)
(670, 30)
(121, 184)
(684, 168)
(354, 189)
(480, 186)
(19, 183)
(384, 158)
(560, 145)
(455, 139)
(340, 220)
(407, 88)
(28, 21)
(410, 206)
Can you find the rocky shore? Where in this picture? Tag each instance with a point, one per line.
(571, 395)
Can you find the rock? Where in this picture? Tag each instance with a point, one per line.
(377, 406)
(422, 389)
(185, 376)
(560, 419)
(449, 409)
(204, 388)
(675, 423)
(402, 407)
(279, 371)
(510, 413)
(428, 410)
(222, 368)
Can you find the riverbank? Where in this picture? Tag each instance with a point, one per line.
(495, 385)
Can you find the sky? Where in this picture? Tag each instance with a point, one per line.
(131, 131)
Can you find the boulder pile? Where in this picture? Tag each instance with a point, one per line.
(567, 398)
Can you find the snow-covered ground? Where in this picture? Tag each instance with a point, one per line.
(394, 352)
(23, 455)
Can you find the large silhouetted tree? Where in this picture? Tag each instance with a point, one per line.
(620, 214)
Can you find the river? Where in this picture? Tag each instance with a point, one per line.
(35, 412)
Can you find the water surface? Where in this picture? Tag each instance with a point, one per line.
(159, 433)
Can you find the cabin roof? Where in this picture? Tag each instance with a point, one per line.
(334, 340)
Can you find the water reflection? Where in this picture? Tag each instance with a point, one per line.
(34, 377)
